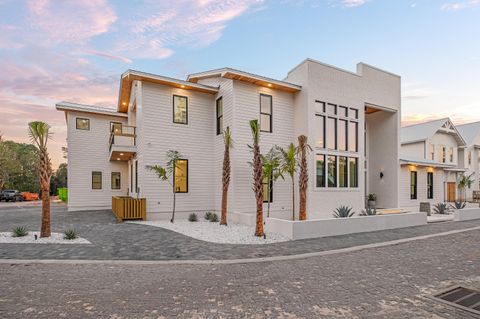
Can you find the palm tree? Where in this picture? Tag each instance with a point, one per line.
(164, 173)
(465, 182)
(257, 176)
(289, 165)
(271, 171)
(303, 149)
(39, 135)
(228, 142)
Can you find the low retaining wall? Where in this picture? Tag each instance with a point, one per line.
(466, 214)
(342, 226)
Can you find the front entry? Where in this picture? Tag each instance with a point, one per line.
(451, 191)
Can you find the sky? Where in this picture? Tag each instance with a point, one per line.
(62, 50)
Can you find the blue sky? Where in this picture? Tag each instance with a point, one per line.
(76, 50)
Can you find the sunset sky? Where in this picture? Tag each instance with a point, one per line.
(76, 50)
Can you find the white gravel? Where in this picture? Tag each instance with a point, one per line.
(55, 238)
(215, 233)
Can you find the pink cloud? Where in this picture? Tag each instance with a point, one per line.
(108, 56)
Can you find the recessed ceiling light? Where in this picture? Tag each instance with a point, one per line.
(118, 159)
(121, 154)
(182, 86)
(269, 84)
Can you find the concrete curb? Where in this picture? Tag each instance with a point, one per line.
(233, 261)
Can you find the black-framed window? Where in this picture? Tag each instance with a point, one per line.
(331, 133)
(267, 190)
(331, 109)
(180, 109)
(332, 171)
(96, 180)
(353, 113)
(444, 154)
(342, 135)
(353, 136)
(116, 180)
(353, 171)
(136, 176)
(342, 171)
(320, 126)
(82, 123)
(343, 111)
(266, 111)
(430, 185)
(320, 106)
(131, 178)
(180, 181)
(413, 185)
(116, 127)
(320, 170)
(219, 109)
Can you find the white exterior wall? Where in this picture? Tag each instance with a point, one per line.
(442, 139)
(88, 151)
(439, 187)
(414, 150)
(472, 167)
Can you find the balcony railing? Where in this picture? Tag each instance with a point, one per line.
(126, 136)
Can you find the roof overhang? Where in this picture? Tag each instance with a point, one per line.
(456, 169)
(128, 77)
(75, 107)
(246, 77)
(417, 162)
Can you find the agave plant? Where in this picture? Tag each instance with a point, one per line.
(19, 231)
(369, 212)
(458, 205)
(440, 208)
(343, 212)
(70, 234)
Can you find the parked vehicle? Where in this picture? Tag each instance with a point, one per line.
(11, 195)
(27, 196)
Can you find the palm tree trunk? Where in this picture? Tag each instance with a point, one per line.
(223, 219)
(173, 211)
(45, 230)
(226, 183)
(303, 178)
(258, 189)
(293, 198)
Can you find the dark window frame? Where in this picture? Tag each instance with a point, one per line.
(111, 180)
(413, 185)
(269, 114)
(346, 122)
(219, 129)
(324, 171)
(270, 190)
(136, 176)
(346, 177)
(101, 180)
(186, 109)
(430, 185)
(350, 175)
(355, 125)
(131, 177)
(112, 123)
(335, 171)
(82, 118)
(335, 135)
(323, 117)
(186, 176)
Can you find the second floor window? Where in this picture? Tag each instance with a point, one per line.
(219, 116)
(470, 158)
(432, 152)
(450, 154)
(266, 113)
(82, 124)
(444, 154)
(180, 109)
(116, 127)
(180, 182)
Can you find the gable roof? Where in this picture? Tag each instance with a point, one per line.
(469, 131)
(423, 131)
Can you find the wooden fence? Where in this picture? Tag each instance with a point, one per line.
(125, 208)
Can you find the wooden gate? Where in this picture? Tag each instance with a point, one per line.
(125, 207)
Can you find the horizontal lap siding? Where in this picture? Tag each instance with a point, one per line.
(438, 187)
(89, 151)
(194, 141)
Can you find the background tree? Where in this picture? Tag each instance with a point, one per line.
(288, 165)
(39, 133)
(228, 143)
(59, 178)
(257, 176)
(303, 149)
(164, 173)
(19, 166)
(465, 182)
(271, 171)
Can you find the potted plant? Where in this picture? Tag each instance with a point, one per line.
(372, 200)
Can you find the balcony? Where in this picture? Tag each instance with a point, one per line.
(122, 143)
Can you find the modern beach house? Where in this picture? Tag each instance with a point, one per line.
(469, 157)
(351, 119)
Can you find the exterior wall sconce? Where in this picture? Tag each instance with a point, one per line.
(381, 175)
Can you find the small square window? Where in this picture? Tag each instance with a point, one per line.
(83, 124)
(116, 127)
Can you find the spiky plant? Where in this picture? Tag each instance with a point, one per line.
(458, 205)
(213, 218)
(257, 176)
(343, 212)
(440, 208)
(19, 231)
(271, 171)
(288, 165)
(228, 143)
(302, 151)
(39, 133)
(208, 215)
(70, 234)
(369, 212)
(164, 173)
(192, 217)
(465, 182)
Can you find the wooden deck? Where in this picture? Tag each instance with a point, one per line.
(127, 208)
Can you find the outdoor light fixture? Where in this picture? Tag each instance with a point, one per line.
(124, 103)
(381, 175)
(269, 84)
(182, 86)
(121, 154)
(118, 159)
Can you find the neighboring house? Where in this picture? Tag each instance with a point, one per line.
(429, 163)
(469, 157)
(352, 121)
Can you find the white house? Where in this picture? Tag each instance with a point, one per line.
(430, 163)
(469, 157)
(351, 119)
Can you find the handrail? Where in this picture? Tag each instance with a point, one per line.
(127, 133)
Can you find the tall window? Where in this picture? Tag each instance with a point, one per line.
(450, 154)
(115, 180)
(219, 116)
(413, 185)
(432, 151)
(115, 127)
(332, 133)
(320, 170)
(96, 180)
(353, 165)
(429, 185)
(470, 158)
(131, 177)
(266, 113)
(342, 135)
(444, 154)
(180, 182)
(353, 136)
(180, 109)
(82, 124)
(342, 171)
(332, 171)
(320, 128)
(136, 176)
(267, 190)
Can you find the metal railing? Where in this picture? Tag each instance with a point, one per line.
(127, 136)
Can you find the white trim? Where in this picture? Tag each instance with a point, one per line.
(74, 107)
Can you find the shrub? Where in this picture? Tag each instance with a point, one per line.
(459, 205)
(372, 197)
(70, 234)
(192, 217)
(369, 212)
(213, 218)
(19, 231)
(440, 208)
(343, 212)
(208, 215)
